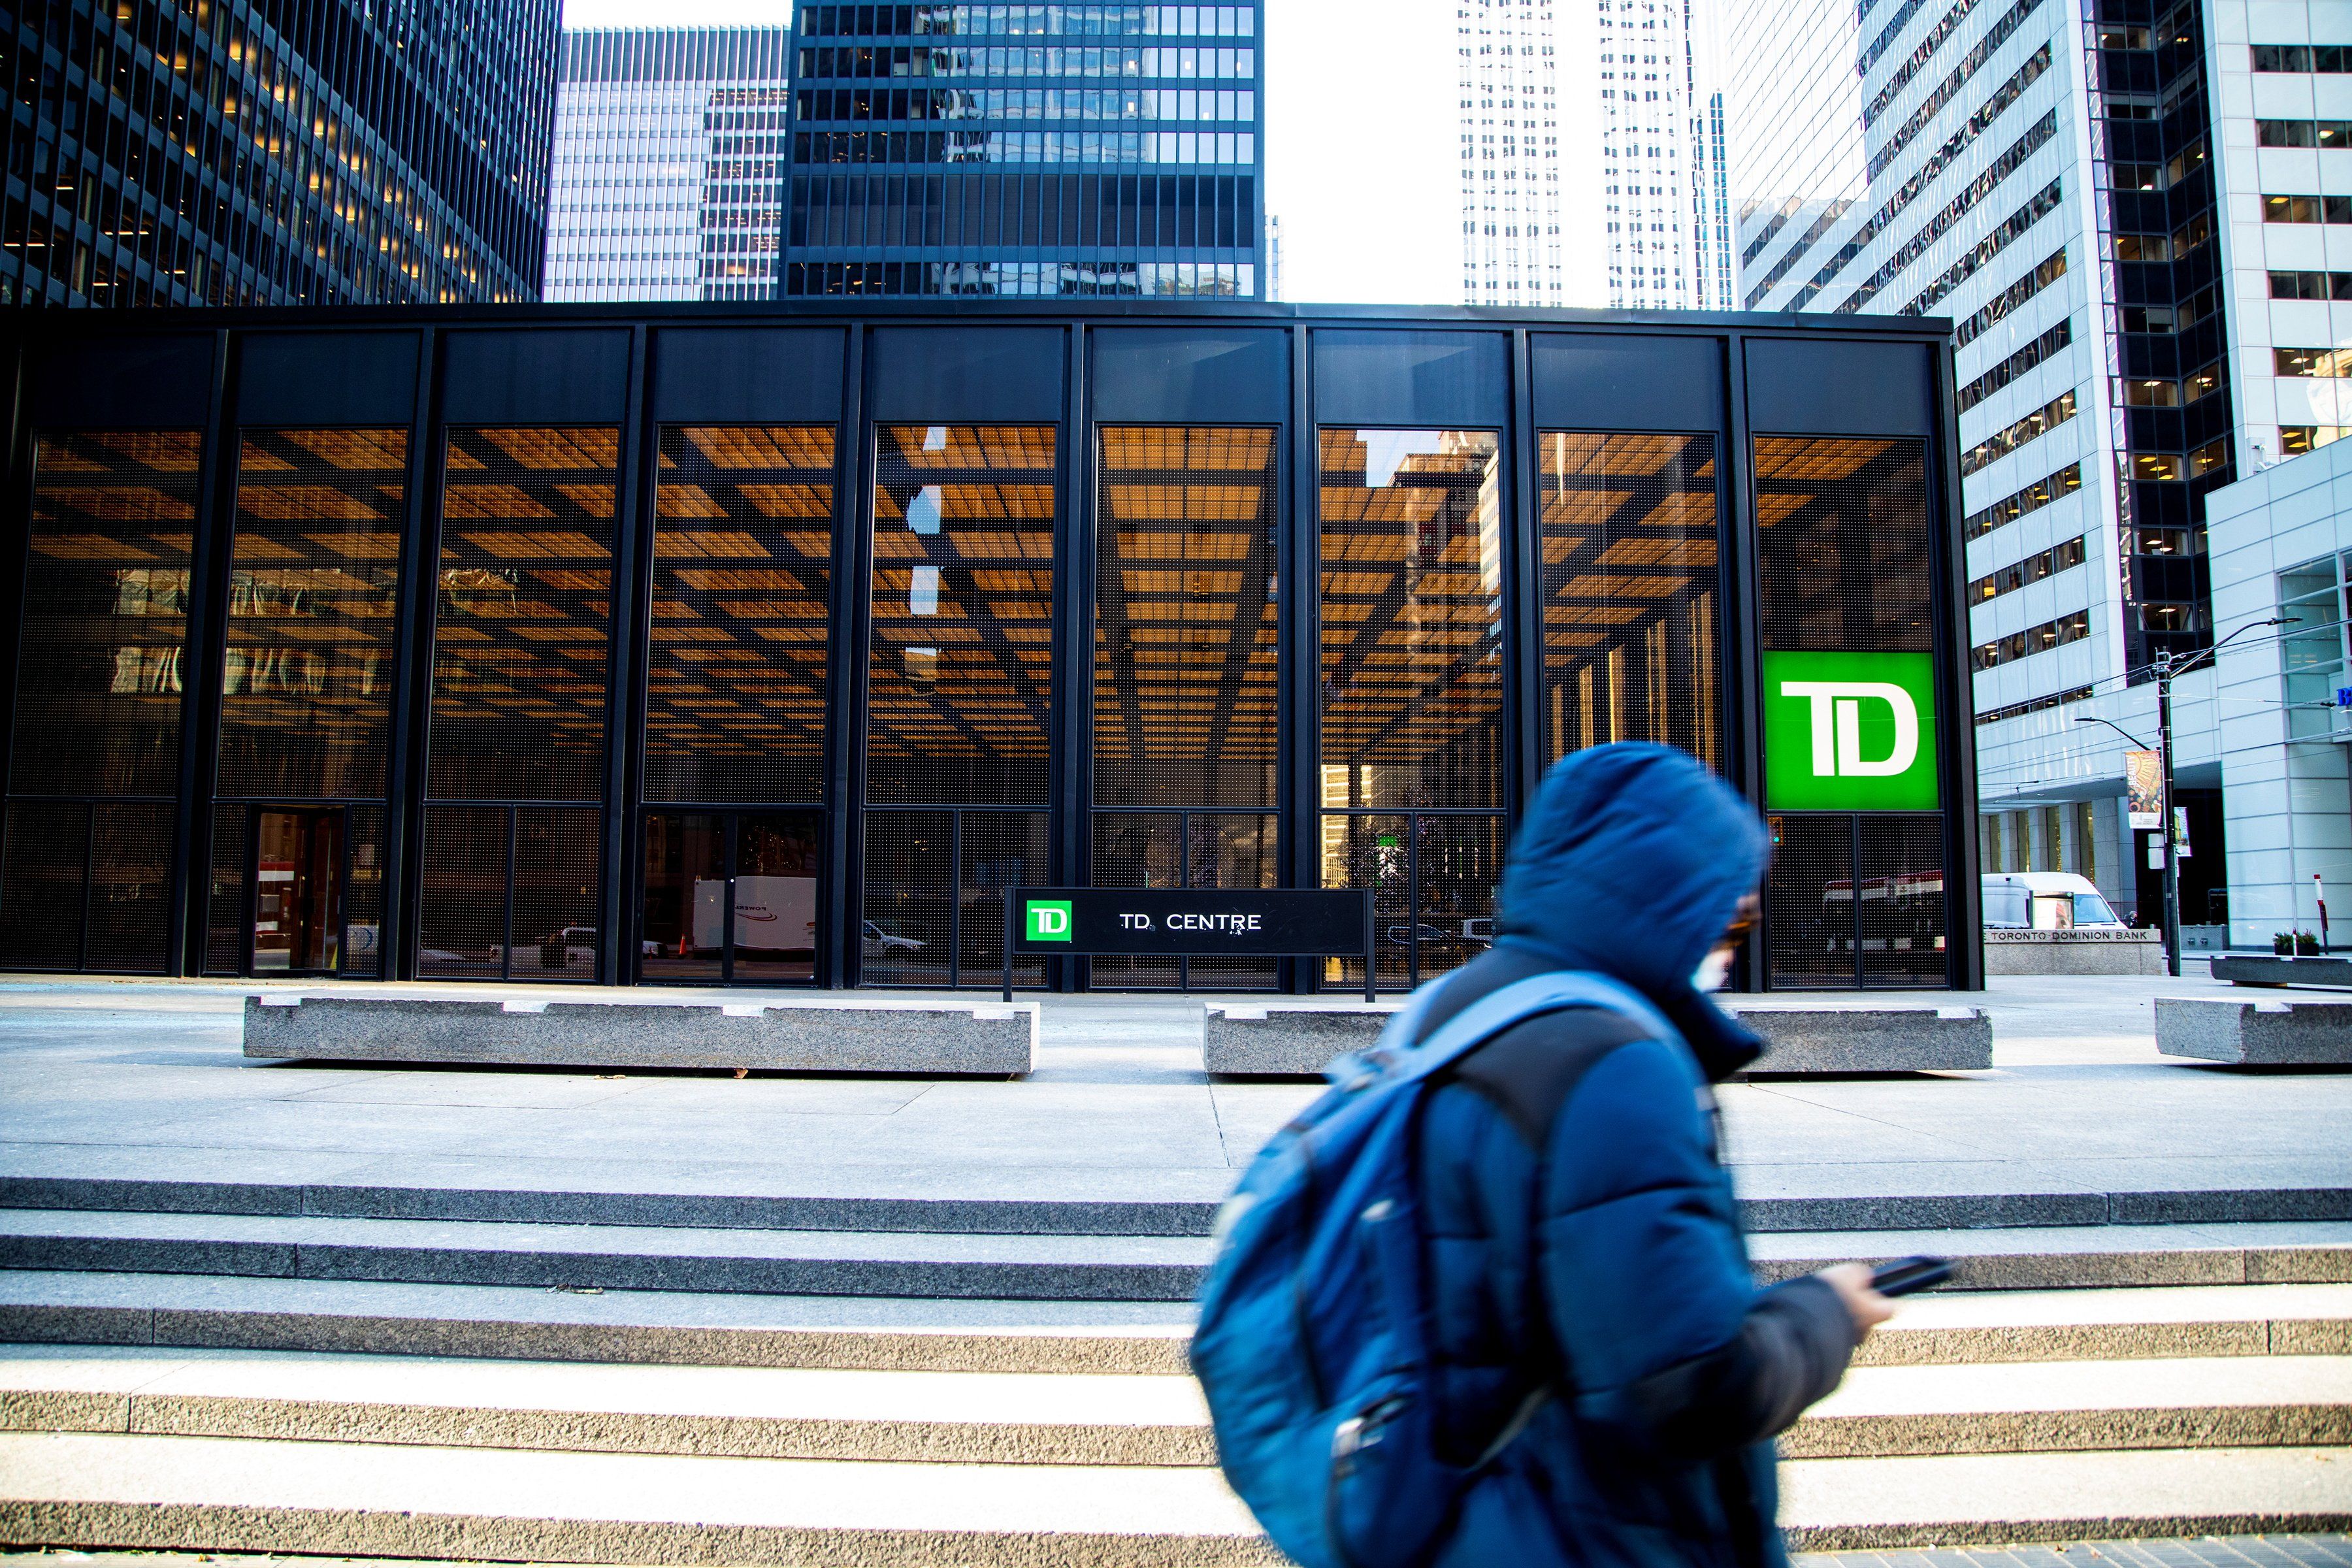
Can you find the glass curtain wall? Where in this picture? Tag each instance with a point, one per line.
(522, 654)
(1411, 676)
(94, 771)
(1845, 565)
(1630, 592)
(307, 690)
(735, 704)
(1187, 652)
(959, 698)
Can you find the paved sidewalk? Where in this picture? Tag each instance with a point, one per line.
(145, 1080)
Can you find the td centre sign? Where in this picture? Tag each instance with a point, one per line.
(1849, 731)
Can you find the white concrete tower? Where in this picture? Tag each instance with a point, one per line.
(1666, 210)
(1510, 153)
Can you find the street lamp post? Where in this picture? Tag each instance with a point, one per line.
(2167, 669)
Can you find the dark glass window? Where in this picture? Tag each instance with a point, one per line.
(1828, 927)
(307, 685)
(1411, 616)
(1185, 625)
(1186, 673)
(522, 644)
(106, 609)
(1412, 612)
(1630, 593)
(735, 686)
(959, 689)
(522, 629)
(1843, 545)
(960, 674)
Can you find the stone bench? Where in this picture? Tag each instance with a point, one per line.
(2255, 969)
(947, 1038)
(2255, 1034)
(1301, 1039)
(2083, 952)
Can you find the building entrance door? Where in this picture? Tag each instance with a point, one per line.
(729, 897)
(298, 890)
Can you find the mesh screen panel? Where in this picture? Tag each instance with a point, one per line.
(41, 885)
(685, 872)
(522, 627)
(555, 893)
(910, 898)
(363, 891)
(225, 902)
(1843, 562)
(779, 862)
(1412, 618)
(1809, 919)
(105, 622)
(735, 684)
(1373, 851)
(1186, 654)
(1178, 849)
(1902, 907)
(462, 902)
(1630, 593)
(1001, 849)
(130, 887)
(307, 684)
(960, 669)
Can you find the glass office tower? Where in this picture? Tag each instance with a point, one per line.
(218, 152)
(1025, 150)
(669, 164)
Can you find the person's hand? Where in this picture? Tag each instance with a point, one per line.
(1852, 1282)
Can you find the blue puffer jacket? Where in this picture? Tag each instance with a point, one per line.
(1590, 1281)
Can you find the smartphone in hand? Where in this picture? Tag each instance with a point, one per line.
(1906, 1275)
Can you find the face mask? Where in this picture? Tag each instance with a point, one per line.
(1714, 971)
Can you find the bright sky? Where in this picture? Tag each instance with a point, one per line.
(1361, 136)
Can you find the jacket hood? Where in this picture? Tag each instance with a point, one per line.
(1631, 861)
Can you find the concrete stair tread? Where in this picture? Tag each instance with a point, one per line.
(240, 1494)
(676, 1241)
(1917, 1500)
(952, 1335)
(1057, 1418)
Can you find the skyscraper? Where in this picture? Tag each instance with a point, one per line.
(669, 162)
(1024, 150)
(1638, 147)
(1667, 229)
(310, 151)
(1510, 153)
(2126, 209)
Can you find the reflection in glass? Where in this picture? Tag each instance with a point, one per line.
(777, 854)
(679, 928)
(735, 683)
(1186, 648)
(1412, 613)
(523, 629)
(907, 931)
(1433, 880)
(1843, 562)
(297, 892)
(1901, 904)
(1630, 593)
(960, 668)
(105, 624)
(1184, 849)
(307, 679)
(1809, 922)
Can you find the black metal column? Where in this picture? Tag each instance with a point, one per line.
(1301, 826)
(1073, 546)
(1963, 892)
(200, 664)
(1525, 745)
(852, 560)
(624, 748)
(420, 590)
(1741, 662)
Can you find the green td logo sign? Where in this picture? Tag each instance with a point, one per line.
(1049, 920)
(1849, 731)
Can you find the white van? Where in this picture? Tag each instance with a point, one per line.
(2045, 900)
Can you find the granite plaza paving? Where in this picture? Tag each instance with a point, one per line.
(456, 1315)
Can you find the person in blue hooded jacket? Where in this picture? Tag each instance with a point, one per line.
(1594, 1319)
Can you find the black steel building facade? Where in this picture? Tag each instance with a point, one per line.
(275, 151)
(1025, 150)
(694, 645)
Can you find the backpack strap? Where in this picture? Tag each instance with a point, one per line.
(1514, 1004)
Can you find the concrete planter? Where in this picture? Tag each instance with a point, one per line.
(2073, 953)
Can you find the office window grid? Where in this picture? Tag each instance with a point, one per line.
(236, 153)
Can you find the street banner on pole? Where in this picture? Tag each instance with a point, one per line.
(2143, 784)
